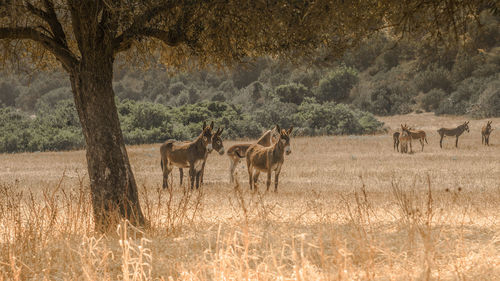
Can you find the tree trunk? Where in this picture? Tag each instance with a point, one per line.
(112, 183)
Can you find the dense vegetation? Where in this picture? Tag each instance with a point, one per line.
(384, 76)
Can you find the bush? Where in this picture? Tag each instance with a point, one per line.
(488, 104)
(452, 105)
(8, 94)
(331, 118)
(275, 112)
(433, 78)
(431, 100)
(292, 93)
(390, 99)
(176, 88)
(337, 85)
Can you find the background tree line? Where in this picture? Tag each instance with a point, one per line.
(383, 76)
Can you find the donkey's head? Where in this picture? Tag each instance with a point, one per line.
(405, 128)
(206, 135)
(217, 141)
(488, 126)
(284, 139)
(465, 125)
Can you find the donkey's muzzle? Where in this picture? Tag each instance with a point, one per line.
(221, 151)
(209, 147)
(288, 150)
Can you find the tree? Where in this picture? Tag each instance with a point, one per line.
(85, 38)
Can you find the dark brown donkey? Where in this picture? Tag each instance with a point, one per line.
(395, 139)
(268, 159)
(217, 145)
(485, 133)
(453, 132)
(186, 155)
(238, 151)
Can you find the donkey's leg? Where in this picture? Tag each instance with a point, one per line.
(441, 141)
(456, 142)
(203, 168)
(166, 170)
(422, 143)
(482, 139)
(234, 163)
(198, 178)
(276, 178)
(256, 175)
(250, 174)
(192, 174)
(487, 140)
(181, 175)
(255, 178)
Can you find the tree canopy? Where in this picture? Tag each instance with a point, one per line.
(183, 33)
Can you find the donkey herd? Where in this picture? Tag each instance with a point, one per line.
(267, 153)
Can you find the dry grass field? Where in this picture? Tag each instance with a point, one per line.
(347, 208)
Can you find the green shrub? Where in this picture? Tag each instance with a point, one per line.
(431, 100)
(488, 104)
(337, 85)
(433, 78)
(292, 93)
(331, 118)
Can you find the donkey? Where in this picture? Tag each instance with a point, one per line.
(418, 135)
(395, 139)
(404, 139)
(186, 155)
(268, 159)
(485, 133)
(238, 151)
(217, 145)
(453, 132)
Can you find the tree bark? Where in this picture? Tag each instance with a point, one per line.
(112, 183)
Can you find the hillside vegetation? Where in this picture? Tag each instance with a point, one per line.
(384, 76)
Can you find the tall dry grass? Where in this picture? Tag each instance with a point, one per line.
(347, 208)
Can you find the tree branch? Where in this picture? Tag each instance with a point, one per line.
(50, 18)
(62, 53)
(124, 40)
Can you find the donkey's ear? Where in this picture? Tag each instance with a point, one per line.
(290, 130)
(212, 125)
(278, 129)
(204, 125)
(221, 130)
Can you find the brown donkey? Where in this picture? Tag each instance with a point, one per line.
(268, 159)
(395, 139)
(217, 145)
(186, 155)
(485, 133)
(418, 135)
(404, 139)
(238, 151)
(453, 132)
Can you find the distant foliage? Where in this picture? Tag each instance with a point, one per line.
(433, 78)
(382, 76)
(337, 85)
(431, 100)
(293, 93)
